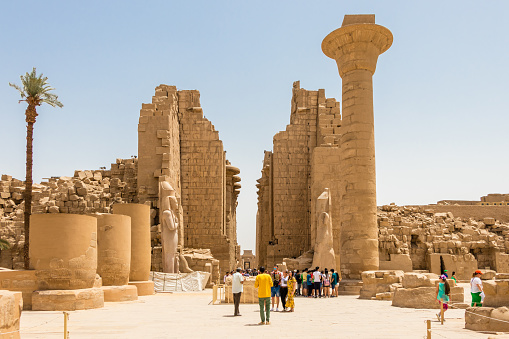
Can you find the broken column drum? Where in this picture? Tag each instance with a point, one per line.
(113, 248)
(140, 239)
(356, 47)
(63, 250)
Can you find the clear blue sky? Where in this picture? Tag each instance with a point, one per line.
(440, 91)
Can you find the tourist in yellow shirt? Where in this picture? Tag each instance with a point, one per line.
(264, 282)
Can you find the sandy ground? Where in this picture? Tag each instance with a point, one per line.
(188, 315)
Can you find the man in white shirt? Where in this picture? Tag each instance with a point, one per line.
(237, 289)
(317, 278)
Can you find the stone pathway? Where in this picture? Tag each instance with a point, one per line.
(188, 315)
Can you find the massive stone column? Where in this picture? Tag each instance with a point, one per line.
(356, 47)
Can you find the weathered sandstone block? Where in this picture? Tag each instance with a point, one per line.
(63, 250)
(68, 300)
(120, 293)
(140, 239)
(487, 319)
(375, 282)
(11, 305)
(113, 249)
(497, 293)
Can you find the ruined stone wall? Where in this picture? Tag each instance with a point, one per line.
(203, 175)
(159, 154)
(314, 120)
(420, 232)
(477, 212)
(159, 143)
(87, 192)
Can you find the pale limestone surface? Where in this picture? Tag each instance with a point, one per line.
(187, 315)
(356, 47)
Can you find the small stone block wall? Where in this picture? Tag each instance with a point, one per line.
(22, 281)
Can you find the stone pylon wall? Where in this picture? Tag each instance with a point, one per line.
(203, 175)
(285, 189)
(178, 144)
(264, 220)
(159, 150)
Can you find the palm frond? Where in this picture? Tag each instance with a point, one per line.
(4, 245)
(37, 88)
(18, 88)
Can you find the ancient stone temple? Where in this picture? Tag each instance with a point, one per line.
(178, 145)
(322, 150)
(304, 161)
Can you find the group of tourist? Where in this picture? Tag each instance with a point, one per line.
(245, 273)
(277, 286)
(443, 291)
(318, 284)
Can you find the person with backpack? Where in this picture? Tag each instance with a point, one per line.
(310, 283)
(275, 289)
(334, 283)
(304, 278)
(326, 284)
(298, 279)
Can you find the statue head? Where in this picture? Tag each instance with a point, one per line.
(173, 203)
(166, 188)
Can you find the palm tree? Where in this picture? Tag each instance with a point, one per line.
(35, 91)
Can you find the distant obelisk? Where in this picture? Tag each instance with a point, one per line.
(356, 47)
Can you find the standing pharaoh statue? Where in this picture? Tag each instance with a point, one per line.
(168, 217)
(324, 251)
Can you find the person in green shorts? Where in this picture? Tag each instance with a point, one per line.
(476, 289)
(264, 282)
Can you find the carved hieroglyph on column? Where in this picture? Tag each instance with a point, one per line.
(324, 250)
(356, 47)
(169, 226)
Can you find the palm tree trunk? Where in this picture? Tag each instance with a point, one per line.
(28, 192)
